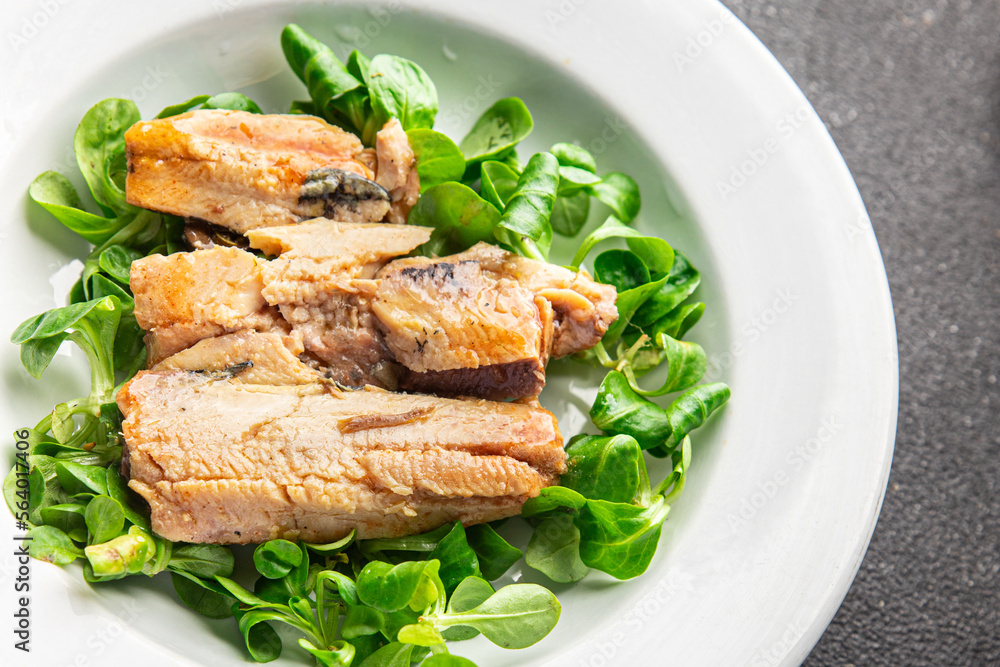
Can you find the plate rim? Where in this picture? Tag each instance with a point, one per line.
(845, 183)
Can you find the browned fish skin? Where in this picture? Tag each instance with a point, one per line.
(243, 171)
(315, 291)
(397, 170)
(496, 383)
(201, 235)
(583, 308)
(321, 284)
(480, 323)
(186, 297)
(343, 195)
(461, 332)
(225, 462)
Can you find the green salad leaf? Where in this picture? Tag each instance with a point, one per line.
(50, 544)
(496, 555)
(182, 107)
(394, 654)
(458, 560)
(620, 538)
(56, 194)
(516, 616)
(524, 224)
(497, 131)
(99, 143)
(571, 155)
(232, 102)
(570, 213)
(497, 182)
(554, 550)
(439, 160)
(400, 88)
(620, 193)
(337, 95)
(459, 216)
(605, 467)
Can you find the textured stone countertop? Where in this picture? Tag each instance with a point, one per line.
(910, 91)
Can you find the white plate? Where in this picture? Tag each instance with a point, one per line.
(735, 168)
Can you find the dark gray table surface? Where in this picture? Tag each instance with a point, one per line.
(910, 91)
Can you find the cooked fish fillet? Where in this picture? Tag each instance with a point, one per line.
(247, 356)
(243, 171)
(397, 170)
(338, 329)
(462, 332)
(481, 323)
(484, 322)
(309, 292)
(185, 297)
(320, 250)
(320, 282)
(163, 342)
(225, 462)
(346, 243)
(219, 285)
(583, 308)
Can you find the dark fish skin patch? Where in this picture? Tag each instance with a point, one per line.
(336, 187)
(497, 382)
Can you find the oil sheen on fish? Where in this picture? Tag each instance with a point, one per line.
(481, 323)
(224, 461)
(244, 171)
(317, 291)
(485, 322)
(462, 332)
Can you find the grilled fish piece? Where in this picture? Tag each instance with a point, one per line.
(227, 462)
(338, 331)
(316, 292)
(185, 297)
(484, 322)
(243, 171)
(219, 285)
(321, 284)
(462, 332)
(583, 308)
(323, 247)
(246, 356)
